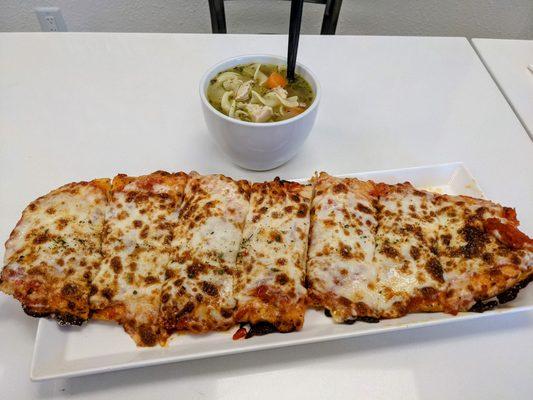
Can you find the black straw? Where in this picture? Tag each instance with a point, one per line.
(294, 35)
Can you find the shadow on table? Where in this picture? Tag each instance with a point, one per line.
(281, 359)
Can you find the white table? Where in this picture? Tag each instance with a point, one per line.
(507, 61)
(76, 106)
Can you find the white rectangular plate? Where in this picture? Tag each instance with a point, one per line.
(101, 347)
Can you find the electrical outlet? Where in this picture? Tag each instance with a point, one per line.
(51, 19)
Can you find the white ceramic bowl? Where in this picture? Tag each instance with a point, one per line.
(259, 146)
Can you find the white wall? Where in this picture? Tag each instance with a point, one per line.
(470, 18)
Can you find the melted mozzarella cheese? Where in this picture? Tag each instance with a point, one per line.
(340, 265)
(53, 252)
(140, 221)
(476, 264)
(405, 247)
(272, 255)
(199, 296)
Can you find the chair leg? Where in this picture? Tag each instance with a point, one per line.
(331, 17)
(218, 16)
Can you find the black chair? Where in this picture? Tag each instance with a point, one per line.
(329, 22)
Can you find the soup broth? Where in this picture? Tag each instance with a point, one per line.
(259, 93)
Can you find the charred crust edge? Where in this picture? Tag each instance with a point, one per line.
(63, 319)
(260, 329)
(368, 320)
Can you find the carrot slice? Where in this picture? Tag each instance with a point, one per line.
(274, 80)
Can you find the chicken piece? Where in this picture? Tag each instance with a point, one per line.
(280, 92)
(259, 113)
(243, 93)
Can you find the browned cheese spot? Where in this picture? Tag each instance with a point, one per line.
(276, 236)
(147, 335)
(195, 269)
(446, 239)
(344, 301)
(169, 274)
(41, 238)
(151, 280)
(345, 250)
(69, 289)
(428, 292)
(329, 223)
(390, 251)
(326, 250)
(107, 293)
(488, 258)
(226, 313)
(434, 268)
(144, 232)
(414, 252)
(188, 308)
(61, 223)
(165, 298)
(116, 264)
(364, 209)
(209, 288)
(475, 241)
(282, 279)
(340, 188)
(302, 210)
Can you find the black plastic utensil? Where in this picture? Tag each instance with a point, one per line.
(294, 35)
